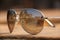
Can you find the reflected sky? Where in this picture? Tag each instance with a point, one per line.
(33, 12)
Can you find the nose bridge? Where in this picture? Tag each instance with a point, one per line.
(17, 17)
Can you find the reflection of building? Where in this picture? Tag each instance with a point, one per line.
(24, 14)
(11, 17)
(25, 17)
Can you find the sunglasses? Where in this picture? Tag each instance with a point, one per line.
(31, 20)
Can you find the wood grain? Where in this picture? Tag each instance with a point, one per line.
(18, 32)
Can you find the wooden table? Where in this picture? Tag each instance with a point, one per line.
(18, 32)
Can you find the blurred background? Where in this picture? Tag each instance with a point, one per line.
(53, 10)
(39, 4)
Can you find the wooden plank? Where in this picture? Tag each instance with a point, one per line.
(47, 32)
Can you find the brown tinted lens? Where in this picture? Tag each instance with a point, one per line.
(11, 18)
(31, 21)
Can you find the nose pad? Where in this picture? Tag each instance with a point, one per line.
(11, 18)
(31, 21)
